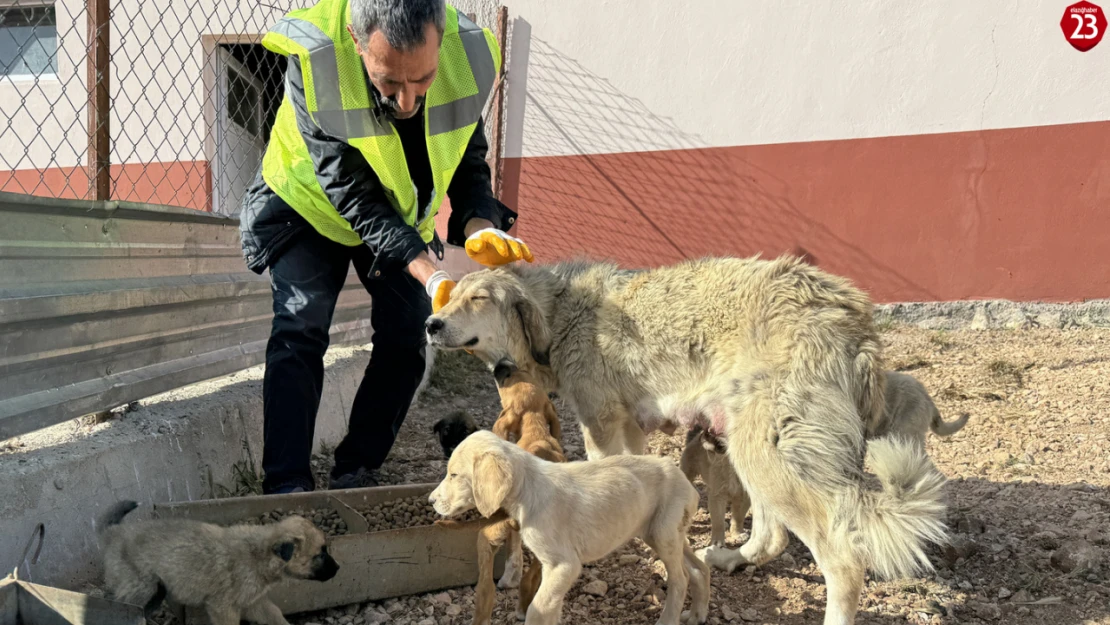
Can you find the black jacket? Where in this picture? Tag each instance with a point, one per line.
(268, 225)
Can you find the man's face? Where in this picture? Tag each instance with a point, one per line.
(401, 78)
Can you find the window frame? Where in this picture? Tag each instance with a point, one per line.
(50, 76)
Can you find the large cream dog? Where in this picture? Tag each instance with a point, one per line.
(572, 514)
(779, 357)
(909, 413)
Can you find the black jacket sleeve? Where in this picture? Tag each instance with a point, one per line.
(471, 192)
(352, 186)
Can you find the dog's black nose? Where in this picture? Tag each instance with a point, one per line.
(327, 570)
(433, 325)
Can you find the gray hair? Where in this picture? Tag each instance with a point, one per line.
(403, 22)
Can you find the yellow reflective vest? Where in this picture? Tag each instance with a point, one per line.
(340, 104)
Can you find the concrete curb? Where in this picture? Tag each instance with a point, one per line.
(178, 446)
(996, 314)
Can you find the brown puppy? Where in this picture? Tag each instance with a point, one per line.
(527, 415)
(226, 570)
(529, 419)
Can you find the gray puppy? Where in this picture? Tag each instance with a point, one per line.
(226, 570)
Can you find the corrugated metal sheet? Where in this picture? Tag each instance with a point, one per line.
(105, 303)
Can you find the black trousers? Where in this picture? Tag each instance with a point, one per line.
(306, 280)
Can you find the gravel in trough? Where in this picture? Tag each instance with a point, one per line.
(326, 519)
(405, 513)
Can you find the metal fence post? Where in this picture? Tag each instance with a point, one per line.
(499, 100)
(99, 152)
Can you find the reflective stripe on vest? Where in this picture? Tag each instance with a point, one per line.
(326, 102)
(347, 124)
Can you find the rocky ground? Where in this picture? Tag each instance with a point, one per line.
(1029, 498)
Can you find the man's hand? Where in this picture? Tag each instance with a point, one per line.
(439, 287)
(492, 247)
(436, 282)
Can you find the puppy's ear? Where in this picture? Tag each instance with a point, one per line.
(284, 550)
(438, 427)
(490, 482)
(503, 369)
(535, 329)
(713, 443)
(692, 433)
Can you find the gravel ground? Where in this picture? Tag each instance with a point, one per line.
(1029, 498)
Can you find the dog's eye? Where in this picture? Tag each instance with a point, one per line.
(453, 475)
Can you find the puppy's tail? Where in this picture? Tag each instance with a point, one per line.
(894, 524)
(115, 514)
(940, 427)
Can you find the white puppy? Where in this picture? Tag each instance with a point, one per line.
(575, 513)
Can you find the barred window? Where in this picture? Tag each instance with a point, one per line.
(28, 39)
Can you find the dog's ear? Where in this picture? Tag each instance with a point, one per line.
(503, 369)
(438, 427)
(692, 433)
(713, 443)
(535, 329)
(284, 550)
(490, 482)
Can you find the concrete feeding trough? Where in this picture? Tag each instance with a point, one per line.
(373, 565)
(24, 603)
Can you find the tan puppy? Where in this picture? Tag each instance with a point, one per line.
(909, 412)
(705, 456)
(226, 570)
(527, 417)
(574, 513)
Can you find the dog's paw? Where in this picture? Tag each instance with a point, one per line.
(720, 558)
(511, 577)
(521, 616)
(507, 583)
(691, 617)
(705, 553)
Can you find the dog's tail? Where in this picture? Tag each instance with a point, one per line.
(871, 398)
(115, 514)
(894, 524)
(940, 427)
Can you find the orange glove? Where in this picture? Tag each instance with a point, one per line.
(492, 247)
(439, 287)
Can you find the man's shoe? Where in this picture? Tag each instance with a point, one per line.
(359, 479)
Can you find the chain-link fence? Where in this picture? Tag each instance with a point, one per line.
(146, 100)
